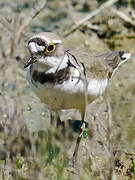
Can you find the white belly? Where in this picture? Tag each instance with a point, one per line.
(70, 94)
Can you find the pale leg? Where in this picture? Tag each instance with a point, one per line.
(79, 136)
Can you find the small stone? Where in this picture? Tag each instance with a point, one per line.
(29, 108)
(43, 113)
(4, 115)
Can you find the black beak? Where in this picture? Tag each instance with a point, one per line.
(31, 60)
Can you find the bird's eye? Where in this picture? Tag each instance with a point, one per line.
(50, 48)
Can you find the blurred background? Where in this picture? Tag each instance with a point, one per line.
(29, 147)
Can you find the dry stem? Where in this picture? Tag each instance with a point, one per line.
(90, 15)
(124, 17)
(34, 13)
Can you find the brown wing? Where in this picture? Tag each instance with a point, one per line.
(100, 66)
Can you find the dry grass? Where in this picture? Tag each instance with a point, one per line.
(29, 148)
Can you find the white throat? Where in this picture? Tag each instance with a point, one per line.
(53, 63)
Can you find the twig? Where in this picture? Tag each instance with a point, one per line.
(125, 152)
(129, 36)
(89, 16)
(16, 36)
(109, 134)
(124, 17)
(34, 13)
(5, 23)
(91, 26)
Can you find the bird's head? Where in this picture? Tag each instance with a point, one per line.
(46, 50)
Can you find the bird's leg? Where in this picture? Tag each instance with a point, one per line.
(55, 119)
(84, 76)
(58, 121)
(79, 136)
(58, 126)
(52, 117)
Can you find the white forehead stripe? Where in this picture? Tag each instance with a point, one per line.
(51, 41)
(57, 41)
(34, 47)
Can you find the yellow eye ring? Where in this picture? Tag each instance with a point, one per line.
(50, 48)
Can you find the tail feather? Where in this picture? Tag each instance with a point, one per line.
(124, 56)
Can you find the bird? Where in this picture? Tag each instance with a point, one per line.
(68, 79)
